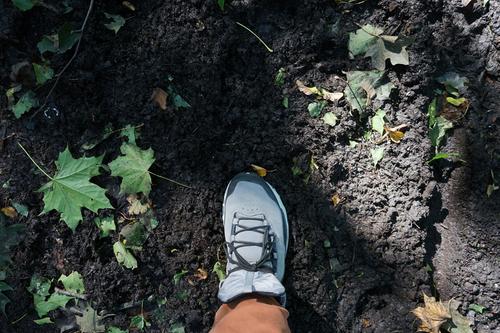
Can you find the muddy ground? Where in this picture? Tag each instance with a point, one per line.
(402, 229)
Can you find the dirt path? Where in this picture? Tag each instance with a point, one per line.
(401, 229)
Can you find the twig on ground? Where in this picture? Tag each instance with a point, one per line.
(69, 293)
(256, 36)
(59, 75)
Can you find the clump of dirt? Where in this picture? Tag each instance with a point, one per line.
(401, 229)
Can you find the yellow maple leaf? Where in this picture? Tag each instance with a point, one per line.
(9, 212)
(432, 315)
(260, 170)
(136, 206)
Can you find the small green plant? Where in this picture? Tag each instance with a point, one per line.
(178, 276)
(221, 4)
(445, 109)
(279, 79)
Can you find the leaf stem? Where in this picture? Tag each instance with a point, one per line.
(19, 319)
(256, 36)
(121, 129)
(170, 180)
(32, 160)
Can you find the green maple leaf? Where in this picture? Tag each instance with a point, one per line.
(133, 167)
(43, 73)
(24, 104)
(39, 287)
(363, 86)
(24, 5)
(117, 22)
(378, 122)
(73, 282)
(370, 42)
(438, 131)
(70, 188)
(124, 256)
(55, 301)
(105, 225)
(362, 39)
(60, 42)
(377, 155)
(90, 321)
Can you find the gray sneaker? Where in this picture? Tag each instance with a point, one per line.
(256, 233)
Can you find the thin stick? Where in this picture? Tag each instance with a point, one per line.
(32, 160)
(170, 180)
(69, 293)
(253, 33)
(121, 129)
(59, 75)
(19, 319)
(7, 137)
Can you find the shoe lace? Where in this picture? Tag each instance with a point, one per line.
(266, 245)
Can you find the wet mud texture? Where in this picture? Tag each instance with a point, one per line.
(402, 229)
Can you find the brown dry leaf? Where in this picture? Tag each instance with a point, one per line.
(136, 206)
(331, 96)
(9, 212)
(336, 199)
(307, 90)
(260, 170)
(201, 274)
(432, 315)
(159, 97)
(394, 134)
(454, 113)
(129, 5)
(366, 323)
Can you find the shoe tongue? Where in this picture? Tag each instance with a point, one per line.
(251, 253)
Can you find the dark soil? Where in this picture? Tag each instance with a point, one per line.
(402, 229)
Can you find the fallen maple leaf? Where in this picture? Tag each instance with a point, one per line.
(136, 206)
(432, 315)
(9, 212)
(159, 97)
(336, 199)
(394, 134)
(321, 93)
(307, 90)
(455, 112)
(201, 274)
(331, 96)
(128, 5)
(259, 170)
